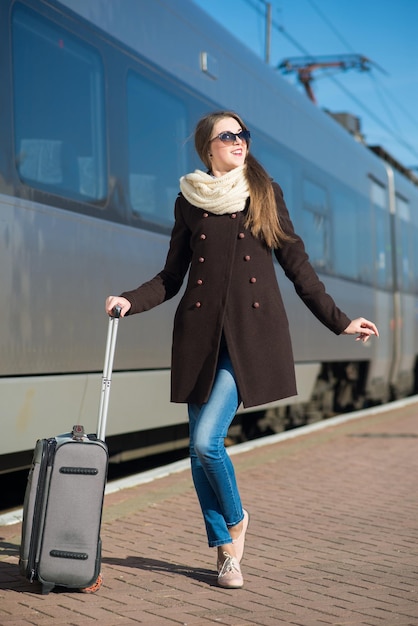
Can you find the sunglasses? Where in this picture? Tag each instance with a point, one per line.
(229, 137)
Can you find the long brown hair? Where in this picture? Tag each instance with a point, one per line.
(262, 218)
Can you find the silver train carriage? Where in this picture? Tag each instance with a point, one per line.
(98, 104)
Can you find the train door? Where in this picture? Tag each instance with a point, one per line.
(380, 370)
(402, 376)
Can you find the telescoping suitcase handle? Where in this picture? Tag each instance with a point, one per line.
(107, 372)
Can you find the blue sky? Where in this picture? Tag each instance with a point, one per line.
(385, 31)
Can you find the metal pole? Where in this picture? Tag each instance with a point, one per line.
(268, 32)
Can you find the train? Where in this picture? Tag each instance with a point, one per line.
(98, 105)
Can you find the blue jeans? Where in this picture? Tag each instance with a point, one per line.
(212, 471)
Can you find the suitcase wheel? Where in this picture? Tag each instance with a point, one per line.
(94, 587)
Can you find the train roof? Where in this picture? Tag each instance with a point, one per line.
(174, 34)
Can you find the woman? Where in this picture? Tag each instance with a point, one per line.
(231, 340)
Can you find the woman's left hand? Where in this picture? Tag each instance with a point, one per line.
(363, 327)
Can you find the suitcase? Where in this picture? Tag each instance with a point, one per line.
(63, 503)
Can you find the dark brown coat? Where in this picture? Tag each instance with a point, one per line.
(232, 287)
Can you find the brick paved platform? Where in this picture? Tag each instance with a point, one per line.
(333, 539)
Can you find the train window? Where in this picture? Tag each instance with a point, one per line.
(351, 238)
(345, 237)
(59, 125)
(315, 224)
(382, 242)
(404, 245)
(277, 165)
(157, 127)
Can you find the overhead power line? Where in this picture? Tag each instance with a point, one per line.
(395, 135)
(331, 25)
(263, 9)
(377, 119)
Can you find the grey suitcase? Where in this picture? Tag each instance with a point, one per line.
(63, 504)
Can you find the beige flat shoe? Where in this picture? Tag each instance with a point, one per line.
(230, 576)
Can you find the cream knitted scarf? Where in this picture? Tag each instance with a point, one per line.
(224, 194)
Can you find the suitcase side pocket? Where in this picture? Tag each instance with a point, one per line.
(34, 507)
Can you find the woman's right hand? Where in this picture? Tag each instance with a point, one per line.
(112, 301)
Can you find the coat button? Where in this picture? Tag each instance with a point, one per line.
(198, 305)
(247, 257)
(205, 214)
(199, 281)
(233, 215)
(256, 305)
(202, 236)
(241, 236)
(201, 259)
(253, 279)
